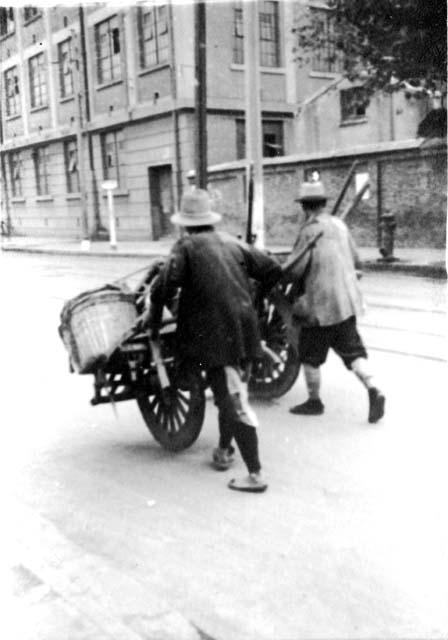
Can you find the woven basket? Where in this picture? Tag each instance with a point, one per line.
(94, 323)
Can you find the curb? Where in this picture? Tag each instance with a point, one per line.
(435, 270)
(85, 254)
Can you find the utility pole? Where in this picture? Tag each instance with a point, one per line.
(98, 225)
(200, 59)
(85, 242)
(254, 132)
(4, 195)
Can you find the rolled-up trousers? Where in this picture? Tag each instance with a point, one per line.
(236, 418)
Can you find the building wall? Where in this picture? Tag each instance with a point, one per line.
(413, 189)
(388, 117)
(142, 103)
(319, 124)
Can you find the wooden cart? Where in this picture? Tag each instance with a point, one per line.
(171, 401)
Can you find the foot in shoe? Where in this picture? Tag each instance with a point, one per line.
(253, 483)
(376, 405)
(312, 407)
(223, 458)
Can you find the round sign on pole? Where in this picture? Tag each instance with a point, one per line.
(109, 184)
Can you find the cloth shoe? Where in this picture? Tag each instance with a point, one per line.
(312, 407)
(376, 404)
(253, 483)
(223, 458)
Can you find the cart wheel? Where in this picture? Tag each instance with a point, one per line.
(270, 379)
(174, 416)
(273, 374)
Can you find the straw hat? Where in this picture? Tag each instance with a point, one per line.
(312, 192)
(195, 210)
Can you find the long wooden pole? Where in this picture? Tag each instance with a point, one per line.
(356, 201)
(254, 148)
(345, 186)
(201, 94)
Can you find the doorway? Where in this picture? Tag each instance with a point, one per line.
(161, 200)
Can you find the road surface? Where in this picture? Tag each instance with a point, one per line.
(109, 536)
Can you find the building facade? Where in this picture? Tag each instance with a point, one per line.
(98, 93)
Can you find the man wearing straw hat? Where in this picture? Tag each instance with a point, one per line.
(330, 303)
(217, 325)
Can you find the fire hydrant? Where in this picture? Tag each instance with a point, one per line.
(387, 227)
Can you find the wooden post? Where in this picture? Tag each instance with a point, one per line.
(200, 94)
(254, 133)
(379, 200)
(85, 242)
(345, 186)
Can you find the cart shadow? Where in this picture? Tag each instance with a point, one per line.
(155, 453)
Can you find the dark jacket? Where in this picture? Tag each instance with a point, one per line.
(217, 324)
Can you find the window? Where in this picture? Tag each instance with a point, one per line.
(268, 33)
(71, 166)
(40, 159)
(6, 20)
(108, 47)
(238, 34)
(38, 81)
(30, 12)
(15, 171)
(354, 103)
(272, 139)
(153, 35)
(111, 145)
(273, 144)
(12, 92)
(325, 57)
(65, 68)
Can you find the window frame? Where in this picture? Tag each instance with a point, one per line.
(238, 33)
(270, 55)
(15, 163)
(66, 81)
(40, 157)
(325, 59)
(12, 99)
(7, 18)
(30, 13)
(108, 68)
(349, 112)
(71, 174)
(39, 88)
(240, 132)
(159, 51)
(113, 171)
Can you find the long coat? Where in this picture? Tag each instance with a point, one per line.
(216, 323)
(328, 271)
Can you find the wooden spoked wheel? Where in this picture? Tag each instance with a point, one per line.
(174, 416)
(275, 372)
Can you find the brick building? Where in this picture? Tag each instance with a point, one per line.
(133, 71)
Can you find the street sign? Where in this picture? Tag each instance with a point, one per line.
(109, 184)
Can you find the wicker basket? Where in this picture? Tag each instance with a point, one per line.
(94, 323)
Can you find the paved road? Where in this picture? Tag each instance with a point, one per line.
(111, 537)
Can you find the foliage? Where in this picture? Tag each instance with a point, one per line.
(384, 43)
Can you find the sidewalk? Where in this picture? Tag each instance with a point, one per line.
(423, 262)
